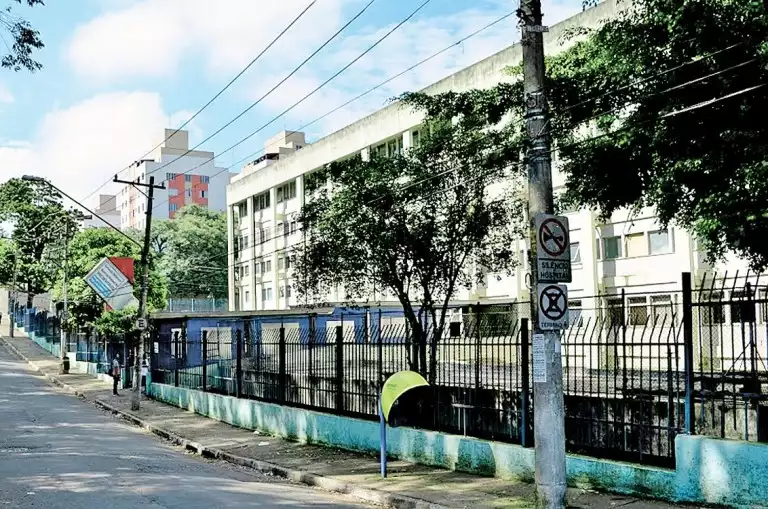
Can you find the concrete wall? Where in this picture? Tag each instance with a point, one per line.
(713, 471)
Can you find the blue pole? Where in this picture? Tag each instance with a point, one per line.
(383, 442)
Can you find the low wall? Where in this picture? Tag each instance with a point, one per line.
(427, 447)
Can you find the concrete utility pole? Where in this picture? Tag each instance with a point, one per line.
(142, 320)
(64, 367)
(549, 414)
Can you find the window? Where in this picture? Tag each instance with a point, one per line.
(247, 297)
(189, 193)
(379, 151)
(574, 312)
(242, 209)
(261, 202)
(598, 251)
(269, 266)
(293, 227)
(286, 192)
(173, 192)
(266, 294)
(662, 310)
(742, 307)
(575, 252)
(282, 292)
(172, 207)
(246, 270)
(280, 263)
(203, 194)
(712, 310)
(612, 248)
(415, 138)
(395, 147)
(170, 176)
(187, 178)
(636, 245)
(615, 313)
(205, 179)
(244, 242)
(638, 310)
(288, 290)
(659, 242)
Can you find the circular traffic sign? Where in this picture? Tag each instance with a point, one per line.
(552, 302)
(553, 237)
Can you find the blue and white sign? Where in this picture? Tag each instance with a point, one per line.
(111, 285)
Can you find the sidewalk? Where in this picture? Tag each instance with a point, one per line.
(408, 485)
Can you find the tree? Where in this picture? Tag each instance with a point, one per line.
(86, 249)
(193, 252)
(422, 224)
(39, 220)
(25, 39)
(644, 79)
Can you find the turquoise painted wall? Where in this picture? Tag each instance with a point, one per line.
(450, 451)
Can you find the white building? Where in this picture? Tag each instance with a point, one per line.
(189, 177)
(104, 206)
(628, 252)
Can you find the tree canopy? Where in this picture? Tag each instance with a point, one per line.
(674, 91)
(40, 224)
(86, 249)
(25, 40)
(423, 223)
(192, 252)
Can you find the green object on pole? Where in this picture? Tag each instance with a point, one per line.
(397, 385)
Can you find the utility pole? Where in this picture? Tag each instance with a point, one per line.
(549, 413)
(64, 367)
(142, 320)
(14, 294)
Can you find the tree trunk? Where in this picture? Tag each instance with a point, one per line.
(436, 335)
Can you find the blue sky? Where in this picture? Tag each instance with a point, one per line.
(116, 72)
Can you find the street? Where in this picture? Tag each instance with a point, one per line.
(57, 451)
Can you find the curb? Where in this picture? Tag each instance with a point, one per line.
(298, 476)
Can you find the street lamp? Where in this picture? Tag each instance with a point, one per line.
(64, 368)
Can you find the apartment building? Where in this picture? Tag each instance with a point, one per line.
(190, 176)
(105, 211)
(630, 251)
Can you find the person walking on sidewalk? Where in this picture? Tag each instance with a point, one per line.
(115, 373)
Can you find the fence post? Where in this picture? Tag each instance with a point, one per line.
(176, 358)
(339, 368)
(311, 345)
(524, 371)
(281, 388)
(204, 356)
(380, 356)
(478, 346)
(688, 353)
(239, 363)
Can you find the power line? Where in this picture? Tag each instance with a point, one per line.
(218, 94)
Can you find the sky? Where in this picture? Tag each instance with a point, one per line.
(117, 72)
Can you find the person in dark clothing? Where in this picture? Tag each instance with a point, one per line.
(115, 373)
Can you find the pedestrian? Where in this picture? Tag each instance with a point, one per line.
(144, 371)
(115, 373)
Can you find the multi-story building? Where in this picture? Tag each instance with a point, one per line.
(630, 251)
(105, 207)
(190, 176)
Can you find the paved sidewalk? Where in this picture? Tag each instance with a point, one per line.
(408, 485)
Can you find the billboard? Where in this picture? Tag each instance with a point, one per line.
(112, 285)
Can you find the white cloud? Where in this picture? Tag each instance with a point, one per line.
(151, 37)
(83, 146)
(6, 97)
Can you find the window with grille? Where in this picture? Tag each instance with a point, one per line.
(638, 310)
(662, 310)
(742, 307)
(574, 310)
(261, 201)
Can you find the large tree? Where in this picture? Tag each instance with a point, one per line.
(422, 224)
(40, 223)
(676, 92)
(24, 40)
(192, 249)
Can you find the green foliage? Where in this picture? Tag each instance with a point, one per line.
(706, 168)
(25, 39)
(192, 252)
(86, 249)
(416, 223)
(40, 224)
(114, 323)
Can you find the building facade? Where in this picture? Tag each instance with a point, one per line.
(631, 251)
(190, 177)
(105, 207)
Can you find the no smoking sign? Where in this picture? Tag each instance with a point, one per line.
(553, 249)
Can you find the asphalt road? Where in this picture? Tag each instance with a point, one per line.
(59, 452)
